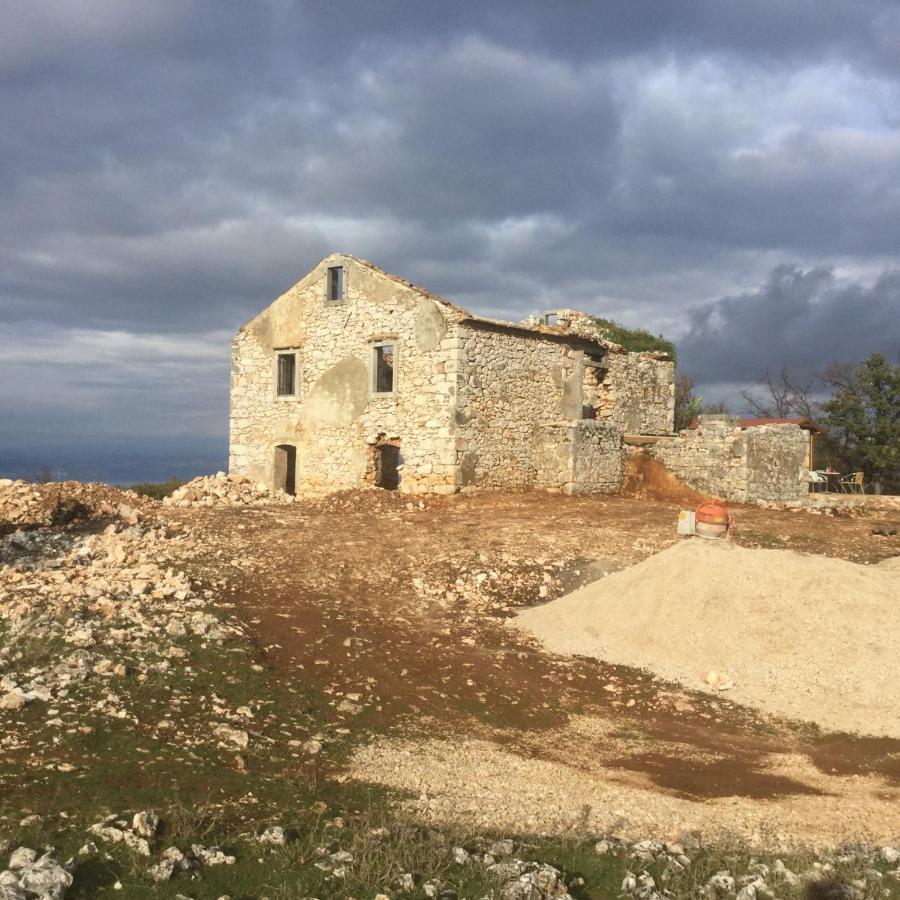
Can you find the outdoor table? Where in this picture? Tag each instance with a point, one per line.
(832, 482)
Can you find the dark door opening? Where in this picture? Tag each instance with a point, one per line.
(387, 459)
(285, 469)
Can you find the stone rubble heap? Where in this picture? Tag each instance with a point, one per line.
(108, 598)
(139, 835)
(30, 874)
(491, 585)
(517, 879)
(758, 882)
(26, 505)
(224, 490)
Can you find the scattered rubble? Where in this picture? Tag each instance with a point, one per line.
(138, 834)
(24, 505)
(32, 875)
(274, 835)
(225, 490)
(109, 602)
(172, 861)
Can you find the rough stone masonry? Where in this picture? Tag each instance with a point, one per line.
(719, 457)
(354, 377)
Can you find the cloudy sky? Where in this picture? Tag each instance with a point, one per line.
(724, 173)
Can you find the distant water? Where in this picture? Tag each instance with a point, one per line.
(121, 464)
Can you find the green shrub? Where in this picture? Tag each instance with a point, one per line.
(157, 490)
(635, 339)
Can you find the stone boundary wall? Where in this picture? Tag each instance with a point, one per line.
(764, 462)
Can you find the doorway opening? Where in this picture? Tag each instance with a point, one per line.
(386, 461)
(285, 478)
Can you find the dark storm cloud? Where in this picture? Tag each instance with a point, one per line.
(172, 166)
(804, 319)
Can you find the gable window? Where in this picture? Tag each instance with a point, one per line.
(334, 285)
(384, 371)
(286, 374)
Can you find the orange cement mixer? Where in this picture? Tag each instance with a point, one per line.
(712, 519)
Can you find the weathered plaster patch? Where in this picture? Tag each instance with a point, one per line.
(429, 328)
(339, 396)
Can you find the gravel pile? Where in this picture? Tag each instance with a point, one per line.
(805, 637)
(224, 490)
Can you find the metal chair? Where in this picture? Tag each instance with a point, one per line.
(853, 483)
(817, 481)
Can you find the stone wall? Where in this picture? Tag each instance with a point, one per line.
(765, 462)
(638, 392)
(515, 384)
(335, 421)
(583, 457)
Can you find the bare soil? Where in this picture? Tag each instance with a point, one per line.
(399, 613)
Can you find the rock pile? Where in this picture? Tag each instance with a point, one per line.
(109, 601)
(30, 874)
(137, 834)
(25, 505)
(224, 490)
(849, 873)
(492, 585)
(517, 879)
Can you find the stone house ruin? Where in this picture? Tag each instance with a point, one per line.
(355, 377)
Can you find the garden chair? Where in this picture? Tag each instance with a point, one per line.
(817, 481)
(853, 483)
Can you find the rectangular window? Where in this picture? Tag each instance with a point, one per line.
(286, 375)
(383, 370)
(335, 286)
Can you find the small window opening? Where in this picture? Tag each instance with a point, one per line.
(551, 318)
(387, 461)
(285, 477)
(336, 284)
(286, 375)
(383, 369)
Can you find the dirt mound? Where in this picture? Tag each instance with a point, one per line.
(26, 505)
(801, 636)
(373, 500)
(648, 478)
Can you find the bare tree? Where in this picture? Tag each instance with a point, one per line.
(784, 395)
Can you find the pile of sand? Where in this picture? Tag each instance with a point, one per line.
(801, 636)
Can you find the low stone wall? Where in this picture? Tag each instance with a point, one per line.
(583, 457)
(764, 462)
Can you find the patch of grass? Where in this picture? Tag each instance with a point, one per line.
(157, 490)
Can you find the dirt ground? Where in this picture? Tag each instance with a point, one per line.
(398, 611)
